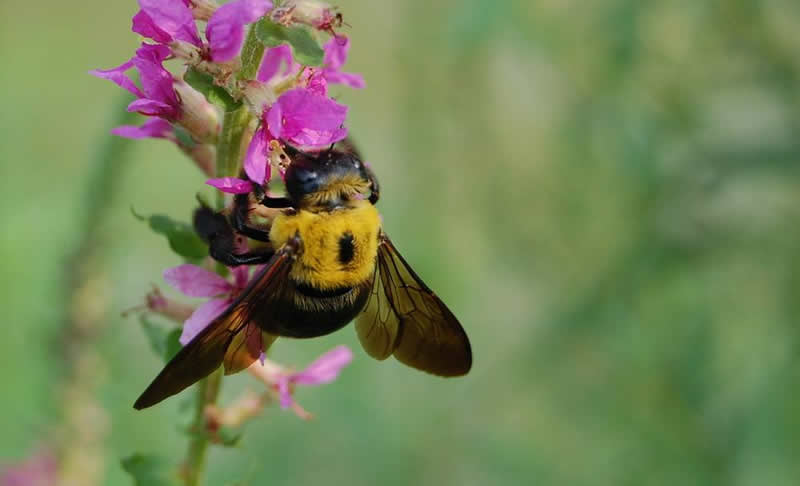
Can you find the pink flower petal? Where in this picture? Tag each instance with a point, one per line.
(284, 392)
(273, 59)
(324, 369)
(231, 185)
(154, 53)
(336, 51)
(349, 79)
(317, 83)
(156, 81)
(166, 20)
(255, 161)
(144, 25)
(307, 118)
(152, 108)
(196, 281)
(202, 317)
(117, 76)
(152, 128)
(225, 30)
(241, 275)
(40, 469)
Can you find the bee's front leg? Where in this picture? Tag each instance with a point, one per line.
(215, 229)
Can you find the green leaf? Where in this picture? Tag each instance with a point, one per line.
(163, 341)
(306, 50)
(172, 344)
(148, 470)
(204, 83)
(181, 236)
(156, 335)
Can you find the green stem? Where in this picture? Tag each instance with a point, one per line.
(229, 157)
(229, 146)
(207, 392)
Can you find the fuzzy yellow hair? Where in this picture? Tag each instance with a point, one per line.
(319, 265)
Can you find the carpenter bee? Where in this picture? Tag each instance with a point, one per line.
(327, 261)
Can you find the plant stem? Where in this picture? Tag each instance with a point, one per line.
(229, 156)
(229, 147)
(207, 392)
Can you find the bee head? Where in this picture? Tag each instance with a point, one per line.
(330, 178)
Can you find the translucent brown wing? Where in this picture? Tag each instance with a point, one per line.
(405, 318)
(230, 340)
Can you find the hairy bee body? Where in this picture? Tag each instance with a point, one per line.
(330, 280)
(326, 262)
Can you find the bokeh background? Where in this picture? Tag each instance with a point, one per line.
(606, 193)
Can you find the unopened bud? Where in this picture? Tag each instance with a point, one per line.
(319, 15)
(186, 51)
(258, 96)
(199, 117)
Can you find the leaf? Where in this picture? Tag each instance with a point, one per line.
(172, 344)
(215, 94)
(156, 335)
(306, 50)
(181, 236)
(148, 470)
(165, 342)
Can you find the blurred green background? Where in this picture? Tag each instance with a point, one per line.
(606, 193)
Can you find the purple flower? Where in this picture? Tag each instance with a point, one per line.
(304, 117)
(225, 30)
(166, 21)
(157, 96)
(231, 185)
(272, 61)
(195, 281)
(324, 370)
(152, 128)
(301, 116)
(38, 470)
(256, 163)
(335, 56)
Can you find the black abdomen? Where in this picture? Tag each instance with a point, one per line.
(305, 313)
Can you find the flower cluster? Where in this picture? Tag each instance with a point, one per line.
(288, 100)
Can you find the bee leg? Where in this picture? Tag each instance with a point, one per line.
(276, 202)
(269, 201)
(215, 229)
(228, 257)
(241, 206)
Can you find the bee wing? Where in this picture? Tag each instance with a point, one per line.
(405, 318)
(230, 340)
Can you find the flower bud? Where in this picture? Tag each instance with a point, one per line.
(198, 116)
(185, 50)
(259, 96)
(319, 15)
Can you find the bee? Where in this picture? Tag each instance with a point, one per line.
(327, 261)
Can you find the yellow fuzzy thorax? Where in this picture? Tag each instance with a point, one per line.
(347, 185)
(319, 264)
